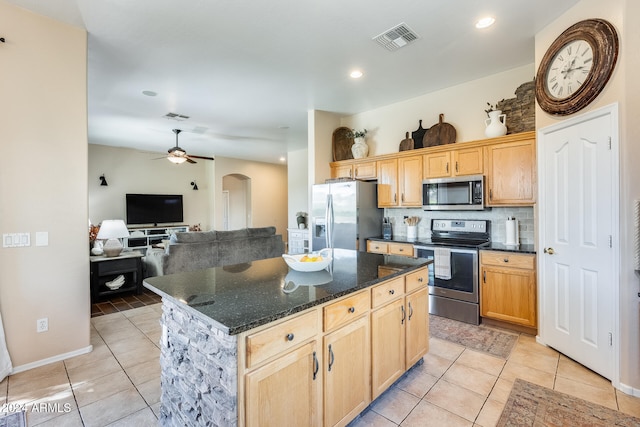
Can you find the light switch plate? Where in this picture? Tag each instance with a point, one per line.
(42, 238)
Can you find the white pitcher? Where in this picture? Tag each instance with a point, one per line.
(495, 124)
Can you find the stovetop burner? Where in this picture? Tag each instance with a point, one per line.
(461, 233)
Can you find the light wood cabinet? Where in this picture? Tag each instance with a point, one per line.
(292, 378)
(417, 326)
(464, 161)
(325, 365)
(399, 328)
(511, 173)
(346, 372)
(391, 248)
(356, 170)
(508, 287)
(400, 182)
(387, 346)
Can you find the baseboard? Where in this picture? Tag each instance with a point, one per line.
(629, 390)
(48, 360)
(510, 326)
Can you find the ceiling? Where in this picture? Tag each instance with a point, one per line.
(247, 72)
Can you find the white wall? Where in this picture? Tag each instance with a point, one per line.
(622, 88)
(43, 186)
(297, 167)
(239, 188)
(462, 105)
(133, 171)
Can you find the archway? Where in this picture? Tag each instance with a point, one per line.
(237, 209)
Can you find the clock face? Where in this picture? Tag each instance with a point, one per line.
(569, 69)
(576, 66)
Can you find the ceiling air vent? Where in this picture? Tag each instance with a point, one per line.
(396, 37)
(176, 117)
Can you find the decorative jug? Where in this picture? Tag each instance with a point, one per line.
(495, 124)
(359, 149)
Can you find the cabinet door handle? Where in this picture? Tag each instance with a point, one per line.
(420, 279)
(410, 311)
(447, 167)
(395, 197)
(404, 315)
(490, 194)
(484, 277)
(506, 260)
(350, 173)
(352, 309)
(456, 166)
(331, 357)
(316, 365)
(402, 197)
(290, 337)
(356, 172)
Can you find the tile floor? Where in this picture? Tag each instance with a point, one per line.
(125, 302)
(118, 384)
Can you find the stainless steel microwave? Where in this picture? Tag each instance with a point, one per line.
(462, 193)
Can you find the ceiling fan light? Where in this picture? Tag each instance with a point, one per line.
(177, 160)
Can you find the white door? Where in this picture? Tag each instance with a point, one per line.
(578, 190)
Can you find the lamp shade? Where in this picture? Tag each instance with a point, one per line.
(112, 230)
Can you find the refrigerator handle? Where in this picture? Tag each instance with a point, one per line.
(329, 221)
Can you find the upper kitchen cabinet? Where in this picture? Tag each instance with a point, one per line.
(400, 182)
(364, 170)
(465, 161)
(511, 172)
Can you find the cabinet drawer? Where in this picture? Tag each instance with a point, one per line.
(387, 291)
(377, 247)
(344, 311)
(508, 259)
(416, 280)
(276, 339)
(401, 249)
(117, 266)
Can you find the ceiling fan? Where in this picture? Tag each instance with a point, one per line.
(178, 155)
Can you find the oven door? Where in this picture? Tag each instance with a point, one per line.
(463, 284)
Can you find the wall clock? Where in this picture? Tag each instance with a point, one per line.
(576, 67)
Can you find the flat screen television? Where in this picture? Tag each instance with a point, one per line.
(154, 208)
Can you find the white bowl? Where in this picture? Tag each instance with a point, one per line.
(294, 262)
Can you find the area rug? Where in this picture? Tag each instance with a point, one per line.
(16, 419)
(533, 405)
(480, 338)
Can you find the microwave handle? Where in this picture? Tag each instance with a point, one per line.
(470, 192)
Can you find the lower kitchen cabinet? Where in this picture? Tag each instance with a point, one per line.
(346, 372)
(387, 346)
(508, 287)
(417, 326)
(369, 338)
(290, 379)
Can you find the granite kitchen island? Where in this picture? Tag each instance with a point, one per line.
(261, 344)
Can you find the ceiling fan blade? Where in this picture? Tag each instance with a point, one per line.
(202, 157)
(189, 160)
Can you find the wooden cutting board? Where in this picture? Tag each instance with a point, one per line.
(341, 144)
(417, 135)
(406, 143)
(439, 134)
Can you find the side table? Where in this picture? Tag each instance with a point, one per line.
(105, 269)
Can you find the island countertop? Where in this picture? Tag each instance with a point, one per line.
(240, 297)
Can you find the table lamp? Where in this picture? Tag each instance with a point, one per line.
(112, 230)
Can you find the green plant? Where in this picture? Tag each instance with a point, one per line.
(357, 133)
(493, 107)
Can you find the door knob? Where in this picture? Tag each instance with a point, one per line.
(549, 251)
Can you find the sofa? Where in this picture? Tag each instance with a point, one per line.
(189, 251)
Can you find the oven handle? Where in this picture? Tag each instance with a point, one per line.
(453, 249)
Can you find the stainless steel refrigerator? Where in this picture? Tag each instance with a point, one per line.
(344, 214)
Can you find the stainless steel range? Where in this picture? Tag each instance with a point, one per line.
(453, 282)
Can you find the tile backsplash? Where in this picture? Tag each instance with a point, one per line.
(498, 217)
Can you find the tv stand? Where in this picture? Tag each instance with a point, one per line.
(142, 238)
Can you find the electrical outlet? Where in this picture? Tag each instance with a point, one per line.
(42, 325)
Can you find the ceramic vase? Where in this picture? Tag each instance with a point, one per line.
(495, 124)
(359, 149)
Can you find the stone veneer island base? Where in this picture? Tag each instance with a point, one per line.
(222, 325)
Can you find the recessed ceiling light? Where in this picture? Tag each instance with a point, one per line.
(356, 74)
(282, 159)
(283, 127)
(149, 93)
(485, 22)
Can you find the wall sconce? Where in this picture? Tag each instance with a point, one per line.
(194, 185)
(103, 180)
